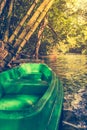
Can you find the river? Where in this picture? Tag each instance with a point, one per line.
(72, 71)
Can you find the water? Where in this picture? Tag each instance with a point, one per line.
(72, 71)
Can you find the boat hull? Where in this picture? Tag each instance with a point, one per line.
(42, 109)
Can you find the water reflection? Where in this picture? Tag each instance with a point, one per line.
(72, 70)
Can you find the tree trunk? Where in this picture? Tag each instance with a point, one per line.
(42, 27)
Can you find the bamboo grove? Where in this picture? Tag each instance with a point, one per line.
(17, 40)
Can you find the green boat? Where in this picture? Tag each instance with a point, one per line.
(31, 97)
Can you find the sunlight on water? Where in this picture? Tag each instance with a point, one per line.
(72, 70)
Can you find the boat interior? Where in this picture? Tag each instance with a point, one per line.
(23, 86)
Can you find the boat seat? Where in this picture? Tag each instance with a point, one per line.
(23, 86)
(17, 102)
(32, 76)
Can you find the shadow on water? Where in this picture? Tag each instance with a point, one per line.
(72, 70)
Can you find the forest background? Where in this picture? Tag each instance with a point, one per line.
(65, 32)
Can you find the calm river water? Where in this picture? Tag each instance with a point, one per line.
(72, 71)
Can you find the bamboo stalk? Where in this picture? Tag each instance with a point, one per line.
(22, 22)
(35, 26)
(2, 5)
(31, 22)
(8, 20)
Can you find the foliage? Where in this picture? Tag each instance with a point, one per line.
(69, 20)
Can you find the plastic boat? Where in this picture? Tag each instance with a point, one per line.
(31, 97)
